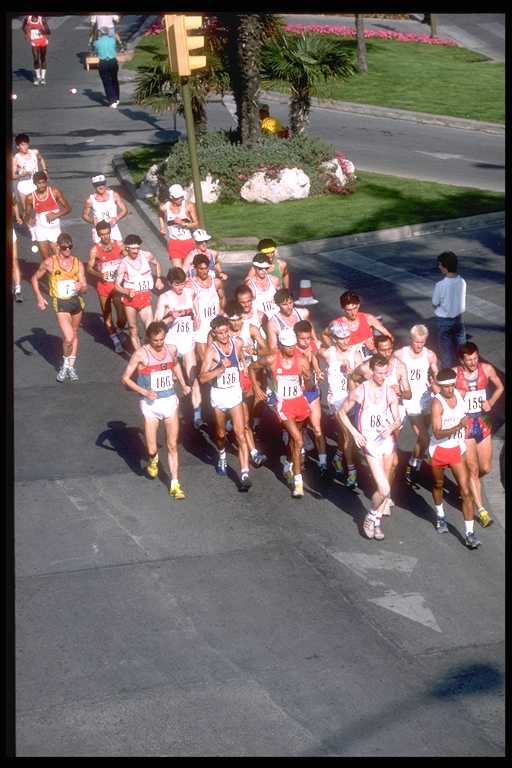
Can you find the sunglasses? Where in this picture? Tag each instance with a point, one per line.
(66, 247)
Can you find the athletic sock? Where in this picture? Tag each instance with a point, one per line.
(43, 74)
(413, 462)
(254, 452)
(244, 472)
(439, 510)
(174, 483)
(469, 525)
(65, 362)
(351, 467)
(322, 458)
(38, 74)
(297, 479)
(72, 361)
(222, 454)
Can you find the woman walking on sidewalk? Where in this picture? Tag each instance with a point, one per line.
(108, 67)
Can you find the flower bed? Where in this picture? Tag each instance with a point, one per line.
(383, 34)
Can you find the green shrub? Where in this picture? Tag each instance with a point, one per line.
(231, 163)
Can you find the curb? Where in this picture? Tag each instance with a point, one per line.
(327, 244)
(458, 123)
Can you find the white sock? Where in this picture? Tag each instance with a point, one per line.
(285, 437)
(174, 483)
(469, 525)
(439, 510)
(413, 462)
(17, 288)
(322, 458)
(33, 234)
(65, 361)
(43, 74)
(71, 361)
(297, 479)
(254, 452)
(222, 454)
(244, 472)
(38, 73)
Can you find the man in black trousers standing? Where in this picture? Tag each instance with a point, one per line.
(108, 67)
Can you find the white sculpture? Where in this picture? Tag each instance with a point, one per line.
(290, 184)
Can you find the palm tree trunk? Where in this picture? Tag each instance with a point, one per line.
(362, 57)
(249, 62)
(300, 108)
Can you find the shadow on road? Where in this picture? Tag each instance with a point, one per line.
(127, 442)
(44, 344)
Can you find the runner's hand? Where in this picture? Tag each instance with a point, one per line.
(485, 406)
(151, 394)
(186, 389)
(359, 439)
(42, 303)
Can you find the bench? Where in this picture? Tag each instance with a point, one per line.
(93, 61)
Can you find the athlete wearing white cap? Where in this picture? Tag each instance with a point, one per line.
(201, 239)
(177, 220)
(104, 205)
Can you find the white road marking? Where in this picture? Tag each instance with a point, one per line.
(442, 155)
(411, 605)
(495, 28)
(361, 563)
(397, 276)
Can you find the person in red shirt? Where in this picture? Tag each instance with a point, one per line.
(36, 31)
(360, 324)
(44, 209)
(104, 260)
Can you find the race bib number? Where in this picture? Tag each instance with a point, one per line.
(178, 233)
(161, 381)
(35, 34)
(229, 378)
(473, 401)
(143, 284)
(182, 326)
(44, 221)
(209, 311)
(269, 308)
(288, 387)
(415, 374)
(376, 421)
(66, 289)
(109, 271)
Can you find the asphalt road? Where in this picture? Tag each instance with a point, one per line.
(231, 624)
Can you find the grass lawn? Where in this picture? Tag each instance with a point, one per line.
(379, 202)
(442, 80)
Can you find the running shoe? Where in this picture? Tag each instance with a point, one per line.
(484, 517)
(72, 374)
(351, 481)
(441, 525)
(176, 492)
(245, 483)
(337, 464)
(152, 466)
(369, 527)
(36, 82)
(258, 459)
(378, 533)
(17, 296)
(411, 474)
(62, 374)
(43, 81)
(118, 347)
(287, 470)
(222, 467)
(471, 541)
(298, 489)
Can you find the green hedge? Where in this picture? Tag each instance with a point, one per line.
(232, 163)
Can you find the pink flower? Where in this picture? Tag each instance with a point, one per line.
(409, 37)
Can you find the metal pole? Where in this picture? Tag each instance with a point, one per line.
(191, 136)
(433, 25)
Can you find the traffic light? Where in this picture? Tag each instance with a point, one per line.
(180, 42)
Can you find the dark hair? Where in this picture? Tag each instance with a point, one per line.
(242, 289)
(200, 258)
(283, 294)
(102, 225)
(64, 239)
(303, 326)
(349, 297)
(444, 374)
(132, 240)
(233, 308)
(22, 138)
(39, 176)
(377, 360)
(218, 322)
(176, 275)
(157, 326)
(449, 260)
(381, 338)
(267, 242)
(469, 348)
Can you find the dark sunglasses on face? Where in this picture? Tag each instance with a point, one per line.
(66, 247)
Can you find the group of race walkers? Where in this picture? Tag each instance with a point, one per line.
(260, 349)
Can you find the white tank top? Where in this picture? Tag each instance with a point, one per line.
(337, 380)
(138, 275)
(174, 231)
(181, 328)
(208, 301)
(450, 418)
(374, 417)
(103, 210)
(26, 162)
(264, 299)
(417, 371)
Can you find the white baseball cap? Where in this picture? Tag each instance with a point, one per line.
(99, 179)
(340, 330)
(176, 190)
(287, 337)
(200, 235)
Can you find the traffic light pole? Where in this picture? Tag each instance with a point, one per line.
(191, 136)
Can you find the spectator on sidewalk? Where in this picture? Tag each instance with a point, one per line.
(105, 21)
(105, 47)
(449, 300)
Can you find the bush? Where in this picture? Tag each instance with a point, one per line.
(231, 163)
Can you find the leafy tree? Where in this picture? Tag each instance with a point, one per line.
(303, 61)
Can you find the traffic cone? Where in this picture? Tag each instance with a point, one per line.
(305, 294)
